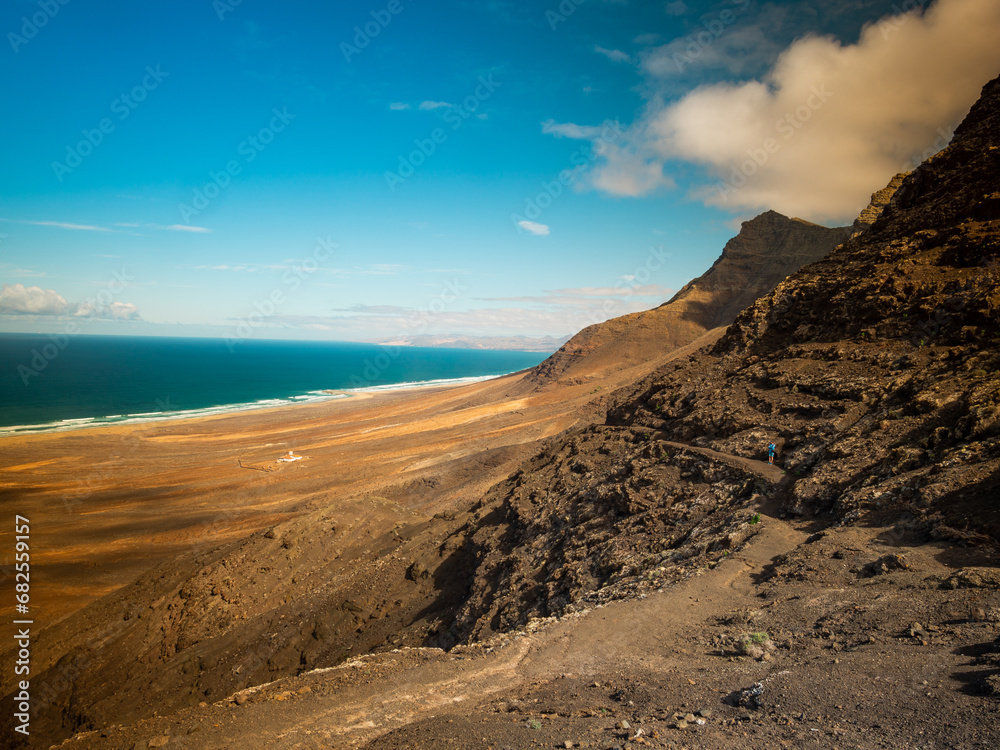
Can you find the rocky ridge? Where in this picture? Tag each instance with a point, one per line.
(879, 200)
(767, 249)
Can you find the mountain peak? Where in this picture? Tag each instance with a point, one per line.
(768, 248)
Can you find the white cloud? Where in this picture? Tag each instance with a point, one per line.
(571, 130)
(31, 300)
(624, 169)
(676, 8)
(429, 105)
(628, 170)
(614, 54)
(539, 230)
(828, 124)
(112, 311)
(17, 299)
(61, 225)
(66, 225)
(185, 228)
(399, 106)
(161, 227)
(122, 224)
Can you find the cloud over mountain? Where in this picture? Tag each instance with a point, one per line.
(826, 122)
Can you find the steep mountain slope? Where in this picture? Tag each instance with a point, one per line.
(767, 249)
(875, 370)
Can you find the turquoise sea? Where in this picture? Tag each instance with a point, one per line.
(59, 382)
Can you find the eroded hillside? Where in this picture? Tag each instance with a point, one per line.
(876, 371)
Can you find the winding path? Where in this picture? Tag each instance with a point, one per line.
(353, 703)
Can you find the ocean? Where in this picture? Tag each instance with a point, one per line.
(57, 382)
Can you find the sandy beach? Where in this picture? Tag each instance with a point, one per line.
(107, 503)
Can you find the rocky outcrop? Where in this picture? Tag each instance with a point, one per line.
(880, 199)
(767, 249)
(608, 513)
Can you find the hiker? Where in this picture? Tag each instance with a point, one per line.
(771, 450)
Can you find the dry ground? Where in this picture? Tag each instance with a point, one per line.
(846, 671)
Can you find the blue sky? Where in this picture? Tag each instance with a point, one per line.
(377, 169)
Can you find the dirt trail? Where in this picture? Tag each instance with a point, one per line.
(770, 472)
(652, 631)
(369, 696)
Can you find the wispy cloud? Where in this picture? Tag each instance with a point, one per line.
(647, 39)
(165, 228)
(585, 296)
(381, 269)
(13, 271)
(614, 54)
(119, 224)
(431, 105)
(60, 225)
(398, 106)
(737, 52)
(185, 228)
(373, 309)
(556, 312)
(539, 230)
(571, 130)
(111, 311)
(375, 269)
